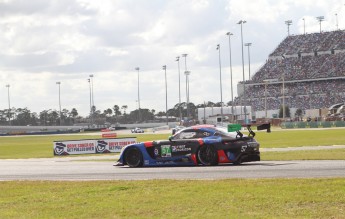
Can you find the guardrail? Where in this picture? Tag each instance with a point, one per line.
(327, 124)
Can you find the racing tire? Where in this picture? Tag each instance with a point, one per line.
(207, 155)
(134, 157)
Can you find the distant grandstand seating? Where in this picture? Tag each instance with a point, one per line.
(308, 43)
(312, 67)
(305, 67)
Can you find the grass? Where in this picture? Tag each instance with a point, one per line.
(296, 138)
(333, 154)
(233, 198)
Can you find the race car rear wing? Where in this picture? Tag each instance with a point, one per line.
(237, 128)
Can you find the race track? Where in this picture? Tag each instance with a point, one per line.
(69, 169)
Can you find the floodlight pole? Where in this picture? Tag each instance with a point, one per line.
(166, 93)
(241, 22)
(303, 26)
(9, 104)
(137, 68)
(59, 83)
(93, 100)
(248, 45)
(220, 85)
(179, 87)
(284, 87)
(288, 23)
(187, 82)
(320, 19)
(336, 20)
(89, 81)
(232, 96)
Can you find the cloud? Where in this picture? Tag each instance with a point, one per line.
(44, 41)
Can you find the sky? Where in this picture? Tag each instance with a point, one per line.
(47, 41)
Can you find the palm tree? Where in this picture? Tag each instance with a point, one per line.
(124, 107)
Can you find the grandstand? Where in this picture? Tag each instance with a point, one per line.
(310, 67)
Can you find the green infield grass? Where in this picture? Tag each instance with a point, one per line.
(332, 154)
(231, 198)
(297, 138)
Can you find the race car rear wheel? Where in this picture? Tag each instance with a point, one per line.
(133, 157)
(207, 155)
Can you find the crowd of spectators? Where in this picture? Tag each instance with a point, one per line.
(313, 73)
(302, 95)
(308, 43)
(303, 68)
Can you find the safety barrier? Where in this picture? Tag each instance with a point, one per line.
(326, 124)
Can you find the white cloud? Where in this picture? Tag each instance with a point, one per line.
(44, 41)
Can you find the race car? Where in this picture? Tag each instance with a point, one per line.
(197, 145)
(137, 130)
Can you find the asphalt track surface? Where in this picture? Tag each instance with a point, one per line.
(76, 169)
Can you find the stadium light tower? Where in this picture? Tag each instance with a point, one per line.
(59, 84)
(248, 45)
(241, 22)
(266, 81)
(93, 101)
(288, 23)
(179, 87)
(336, 21)
(166, 93)
(89, 81)
(9, 104)
(137, 69)
(232, 91)
(220, 85)
(320, 19)
(283, 77)
(187, 73)
(303, 26)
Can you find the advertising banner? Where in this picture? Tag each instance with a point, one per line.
(91, 146)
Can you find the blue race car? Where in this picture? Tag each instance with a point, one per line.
(197, 145)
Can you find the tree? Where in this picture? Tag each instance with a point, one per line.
(287, 111)
(299, 113)
(24, 117)
(124, 108)
(74, 113)
(210, 104)
(109, 112)
(117, 111)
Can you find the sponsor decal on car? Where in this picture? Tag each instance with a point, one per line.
(156, 152)
(206, 134)
(166, 151)
(180, 148)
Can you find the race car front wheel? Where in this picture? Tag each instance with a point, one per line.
(133, 157)
(207, 155)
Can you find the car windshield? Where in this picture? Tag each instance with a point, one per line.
(224, 133)
(201, 133)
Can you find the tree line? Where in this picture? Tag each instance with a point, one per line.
(116, 114)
